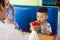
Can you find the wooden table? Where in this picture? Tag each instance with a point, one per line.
(42, 37)
(45, 37)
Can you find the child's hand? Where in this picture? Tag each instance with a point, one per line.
(44, 28)
(45, 31)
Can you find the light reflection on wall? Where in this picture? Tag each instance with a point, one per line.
(24, 2)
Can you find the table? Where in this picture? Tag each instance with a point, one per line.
(42, 36)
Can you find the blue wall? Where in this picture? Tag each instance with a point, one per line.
(26, 14)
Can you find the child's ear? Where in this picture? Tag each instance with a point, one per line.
(46, 17)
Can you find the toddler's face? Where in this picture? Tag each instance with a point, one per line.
(42, 17)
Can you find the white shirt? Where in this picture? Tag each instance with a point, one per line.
(33, 36)
(8, 32)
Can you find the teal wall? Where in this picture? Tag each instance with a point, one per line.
(48, 2)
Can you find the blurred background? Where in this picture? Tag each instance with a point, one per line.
(29, 5)
(26, 12)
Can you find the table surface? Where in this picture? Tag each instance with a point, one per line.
(42, 36)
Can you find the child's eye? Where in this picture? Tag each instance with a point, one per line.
(41, 17)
